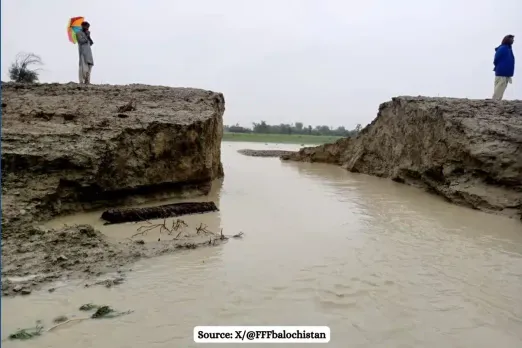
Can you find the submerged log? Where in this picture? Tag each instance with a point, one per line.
(117, 216)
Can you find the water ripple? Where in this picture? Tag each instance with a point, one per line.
(383, 264)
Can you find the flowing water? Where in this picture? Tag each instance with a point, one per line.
(382, 264)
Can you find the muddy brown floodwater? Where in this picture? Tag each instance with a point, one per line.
(382, 264)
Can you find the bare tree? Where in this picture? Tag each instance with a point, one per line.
(20, 70)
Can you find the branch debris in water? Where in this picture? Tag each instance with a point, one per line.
(203, 229)
(178, 225)
(107, 312)
(28, 333)
(102, 311)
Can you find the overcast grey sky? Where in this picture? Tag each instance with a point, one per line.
(317, 61)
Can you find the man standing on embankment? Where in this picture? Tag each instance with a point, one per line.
(84, 49)
(504, 66)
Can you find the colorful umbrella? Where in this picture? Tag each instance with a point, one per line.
(75, 25)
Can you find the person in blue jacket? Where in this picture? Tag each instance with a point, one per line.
(504, 63)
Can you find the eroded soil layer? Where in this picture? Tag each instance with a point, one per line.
(468, 151)
(68, 147)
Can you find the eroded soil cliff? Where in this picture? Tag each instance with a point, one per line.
(71, 147)
(468, 151)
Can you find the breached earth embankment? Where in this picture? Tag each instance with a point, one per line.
(467, 151)
(67, 148)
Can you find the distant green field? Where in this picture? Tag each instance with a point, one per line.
(279, 138)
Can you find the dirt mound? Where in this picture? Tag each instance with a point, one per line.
(70, 147)
(468, 151)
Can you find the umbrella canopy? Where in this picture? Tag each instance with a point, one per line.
(75, 25)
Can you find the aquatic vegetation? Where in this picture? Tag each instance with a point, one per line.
(28, 333)
(88, 307)
(107, 312)
(102, 311)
